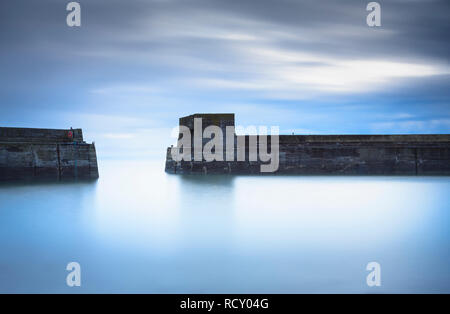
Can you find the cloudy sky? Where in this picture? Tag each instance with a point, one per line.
(134, 67)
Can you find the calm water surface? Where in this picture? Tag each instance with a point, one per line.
(138, 229)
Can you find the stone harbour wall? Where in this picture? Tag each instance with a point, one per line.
(46, 154)
(322, 158)
(415, 154)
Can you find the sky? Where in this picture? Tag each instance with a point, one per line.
(310, 67)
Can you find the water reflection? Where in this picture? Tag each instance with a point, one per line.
(140, 230)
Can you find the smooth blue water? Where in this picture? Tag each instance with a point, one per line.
(138, 229)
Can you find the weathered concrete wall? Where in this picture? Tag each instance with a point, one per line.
(221, 120)
(418, 154)
(30, 154)
(358, 158)
(32, 135)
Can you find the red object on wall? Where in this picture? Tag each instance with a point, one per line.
(70, 134)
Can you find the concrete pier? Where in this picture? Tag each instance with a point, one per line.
(414, 154)
(54, 154)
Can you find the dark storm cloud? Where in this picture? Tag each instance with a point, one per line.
(418, 29)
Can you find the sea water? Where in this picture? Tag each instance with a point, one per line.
(138, 229)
